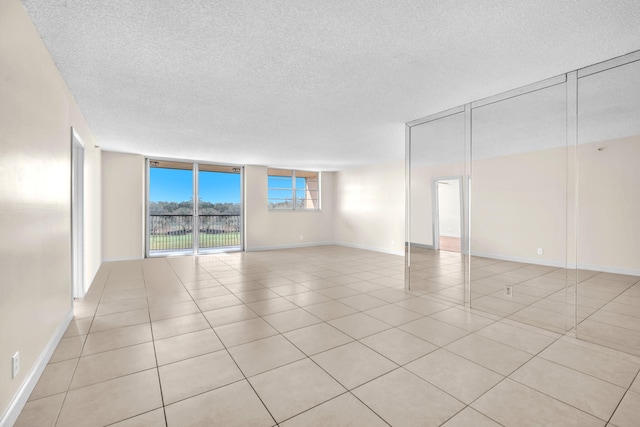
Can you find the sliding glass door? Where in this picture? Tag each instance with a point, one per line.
(175, 224)
(219, 207)
(170, 207)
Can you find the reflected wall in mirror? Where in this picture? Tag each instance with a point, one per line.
(519, 207)
(550, 202)
(437, 194)
(608, 207)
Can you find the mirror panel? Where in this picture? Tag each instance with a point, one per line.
(519, 208)
(437, 167)
(608, 207)
(549, 200)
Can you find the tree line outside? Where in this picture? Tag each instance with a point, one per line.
(186, 208)
(170, 233)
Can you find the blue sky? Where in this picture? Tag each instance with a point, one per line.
(175, 185)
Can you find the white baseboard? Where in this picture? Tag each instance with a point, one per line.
(293, 246)
(422, 246)
(306, 245)
(536, 261)
(123, 259)
(20, 399)
(607, 269)
(561, 264)
(371, 248)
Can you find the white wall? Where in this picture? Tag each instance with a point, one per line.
(268, 229)
(523, 202)
(37, 112)
(123, 201)
(369, 207)
(519, 204)
(421, 207)
(609, 205)
(361, 207)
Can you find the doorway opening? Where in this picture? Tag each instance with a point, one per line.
(447, 214)
(77, 215)
(177, 225)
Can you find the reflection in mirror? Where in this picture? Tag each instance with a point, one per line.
(608, 207)
(437, 232)
(519, 208)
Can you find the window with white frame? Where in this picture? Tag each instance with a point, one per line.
(293, 189)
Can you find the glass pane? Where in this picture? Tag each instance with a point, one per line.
(218, 207)
(280, 191)
(280, 196)
(279, 182)
(285, 192)
(608, 208)
(519, 208)
(280, 204)
(437, 162)
(170, 206)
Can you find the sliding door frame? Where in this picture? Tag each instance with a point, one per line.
(195, 247)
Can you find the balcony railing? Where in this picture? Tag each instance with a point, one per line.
(175, 232)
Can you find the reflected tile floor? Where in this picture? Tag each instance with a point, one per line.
(322, 336)
(607, 306)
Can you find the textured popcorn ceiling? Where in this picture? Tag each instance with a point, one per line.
(319, 84)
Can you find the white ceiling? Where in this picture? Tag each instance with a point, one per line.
(314, 84)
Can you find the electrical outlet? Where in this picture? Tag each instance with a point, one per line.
(508, 290)
(15, 364)
(301, 237)
(540, 251)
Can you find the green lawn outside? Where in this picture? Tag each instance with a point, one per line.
(161, 242)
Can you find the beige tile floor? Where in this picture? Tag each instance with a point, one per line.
(316, 337)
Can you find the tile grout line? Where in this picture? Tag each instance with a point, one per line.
(637, 376)
(543, 393)
(155, 353)
(81, 349)
(234, 361)
(307, 357)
